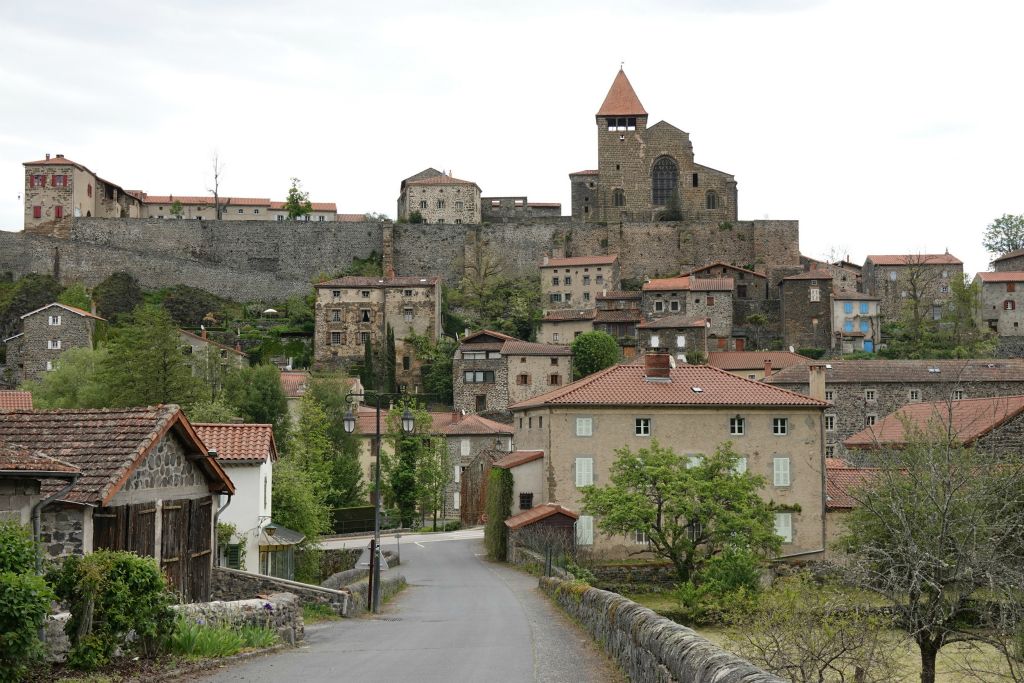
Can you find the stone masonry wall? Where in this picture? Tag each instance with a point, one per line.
(74, 331)
(649, 647)
(232, 584)
(280, 612)
(17, 496)
(63, 530)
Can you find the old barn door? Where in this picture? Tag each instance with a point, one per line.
(200, 550)
(174, 544)
(110, 528)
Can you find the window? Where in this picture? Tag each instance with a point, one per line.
(364, 315)
(49, 365)
(915, 394)
(1011, 286)
(680, 341)
(58, 212)
(711, 200)
(555, 297)
(439, 203)
(586, 296)
(830, 423)
(37, 212)
(642, 426)
(655, 341)
(741, 465)
(784, 526)
(943, 289)
(958, 394)
(618, 198)
(335, 338)
(664, 180)
(233, 556)
(525, 501)
(474, 355)
(830, 450)
(584, 426)
(584, 472)
(240, 211)
(522, 379)
(568, 297)
(780, 426)
(848, 307)
(555, 380)
(695, 180)
(257, 211)
(830, 395)
(864, 308)
(673, 306)
(407, 314)
(464, 449)
(567, 280)
(586, 280)
(364, 337)
(53, 343)
(319, 218)
(554, 336)
(639, 538)
(38, 180)
(54, 320)
(869, 420)
(780, 471)
(848, 326)
(659, 306)
(1009, 305)
(599, 279)
(554, 281)
(585, 530)
(865, 326)
(736, 426)
(406, 362)
(815, 294)
(335, 293)
(481, 403)
(365, 293)
(335, 316)
(478, 376)
(869, 394)
(423, 203)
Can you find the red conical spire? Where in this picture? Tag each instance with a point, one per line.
(621, 99)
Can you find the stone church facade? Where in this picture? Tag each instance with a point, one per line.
(645, 172)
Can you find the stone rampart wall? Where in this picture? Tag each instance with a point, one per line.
(649, 647)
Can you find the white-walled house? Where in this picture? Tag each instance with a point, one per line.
(247, 452)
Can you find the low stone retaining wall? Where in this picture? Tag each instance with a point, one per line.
(649, 647)
(342, 579)
(232, 584)
(524, 557)
(639, 576)
(389, 586)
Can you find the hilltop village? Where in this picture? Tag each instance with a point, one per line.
(533, 341)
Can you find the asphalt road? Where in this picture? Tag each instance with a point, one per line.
(461, 620)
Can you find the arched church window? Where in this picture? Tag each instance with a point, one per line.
(619, 198)
(664, 179)
(711, 200)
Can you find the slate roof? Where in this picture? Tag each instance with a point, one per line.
(754, 360)
(580, 261)
(967, 419)
(239, 443)
(107, 445)
(627, 385)
(379, 282)
(517, 458)
(510, 346)
(15, 400)
(441, 180)
(568, 314)
(913, 259)
(535, 514)
(1008, 276)
(621, 99)
(23, 460)
(618, 315)
(678, 320)
(841, 481)
(906, 371)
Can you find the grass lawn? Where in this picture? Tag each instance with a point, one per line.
(949, 667)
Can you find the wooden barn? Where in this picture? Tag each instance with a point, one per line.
(147, 485)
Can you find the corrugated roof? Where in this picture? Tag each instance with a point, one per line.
(239, 443)
(913, 259)
(527, 517)
(580, 261)
(690, 385)
(15, 400)
(517, 458)
(380, 282)
(877, 371)
(754, 360)
(621, 99)
(966, 420)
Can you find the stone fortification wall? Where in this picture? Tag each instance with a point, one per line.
(649, 647)
(271, 260)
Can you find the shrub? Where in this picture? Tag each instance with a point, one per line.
(17, 549)
(109, 594)
(814, 354)
(26, 602)
(499, 503)
(191, 639)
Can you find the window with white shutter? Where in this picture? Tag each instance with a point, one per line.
(680, 341)
(584, 426)
(457, 474)
(741, 465)
(784, 526)
(54, 320)
(465, 447)
(781, 469)
(584, 472)
(585, 530)
(455, 500)
(655, 341)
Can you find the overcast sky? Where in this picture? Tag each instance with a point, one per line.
(883, 126)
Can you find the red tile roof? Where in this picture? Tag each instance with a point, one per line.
(1008, 255)
(107, 445)
(294, 384)
(810, 275)
(723, 264)
(913, 259)
(379, 282)
(207, 340)
(474, 425)
(904, 371)
(615, 295)
(57, 161)
(754, 360)
(672, 321)
(711, 284)
(966, 420)
(621, 99)
(352, 217)
(843, 481)
(667, 284)
(239, 443)
(19, 459)
(568, 314)
(500, 336)
(618, 315)
(15, 400)
(69, 309)
(517, 458)
(527, 517)
(580, 261)
(1001, 277)
(446, 423)
(626, 385)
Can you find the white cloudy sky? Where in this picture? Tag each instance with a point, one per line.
(882, 125)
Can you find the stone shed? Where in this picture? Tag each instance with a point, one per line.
(147, 485)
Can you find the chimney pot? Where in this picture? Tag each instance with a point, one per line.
(767, 367)
(658, 367)
(47, 156)
(816, 381)
(60, 156)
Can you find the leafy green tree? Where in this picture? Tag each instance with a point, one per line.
(965, 338)
(433, 474)
(76, 295)
(436, 369)
(299, 504)
(257, 394)
(144, 363)
(1004, 234)
(177, 209)
(74, 383)
(347, 486)
(939, 533)
(191, 306)
(690, 512)
(216, 411)
(376, 217)
(593, 351)
(492, 300)
(209, 367)
(368, 368)
(117, 295)
(415, 217)
(297, 202)
(408, 450)
(29, 293)
(757, 323)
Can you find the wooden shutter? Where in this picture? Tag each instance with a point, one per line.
(584, 471)
(585, 530)
(784, 526)
(781, 471)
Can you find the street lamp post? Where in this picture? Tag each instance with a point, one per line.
(408, 426)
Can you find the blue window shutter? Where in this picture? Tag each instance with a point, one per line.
(863, 325)
(864, 307)
(848, 307)
(848, 326)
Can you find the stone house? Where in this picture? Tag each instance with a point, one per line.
(1001, 305)
(901, 280)
(439, 198)
(683, 337)
(748, 285)
(22, 473)
(708, 298)
(147, 485)
(754, 364)
(57, 189)
(807, 310)
(491, 371)
(247, 453)
(575, 282)
(846, 276)
(642, 171)
(197, 345)
(618, 313)
(1010, 262)
(856, 322)
(46, 333)
(861, 392)
(517, 210)
(353, 311)
(546, 526)
(231, 208)
(691, 409)
(562, 325)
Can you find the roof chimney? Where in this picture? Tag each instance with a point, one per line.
(60, 156)
(657, 367)
(543, 263)
(767, 367)
(816, 381)
(47, 156)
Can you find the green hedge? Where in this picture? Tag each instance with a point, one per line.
(497, 506)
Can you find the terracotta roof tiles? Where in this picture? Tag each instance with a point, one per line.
(841, 482)
(474, 425)
(294, 383)
(15, 400)
(906, 371)
(568, 314)
(527, 517)
(518, 347)
(517, 458)
(380, 282)
(672, 321)
(1005, 276)
(810, 275)
(580, 261)
(621, 99)
(239, 443)
(754, 360)
(913, 259)
(69, 309)
(667, 284)
(19, 459)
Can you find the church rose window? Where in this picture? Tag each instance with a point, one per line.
(664, 178)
